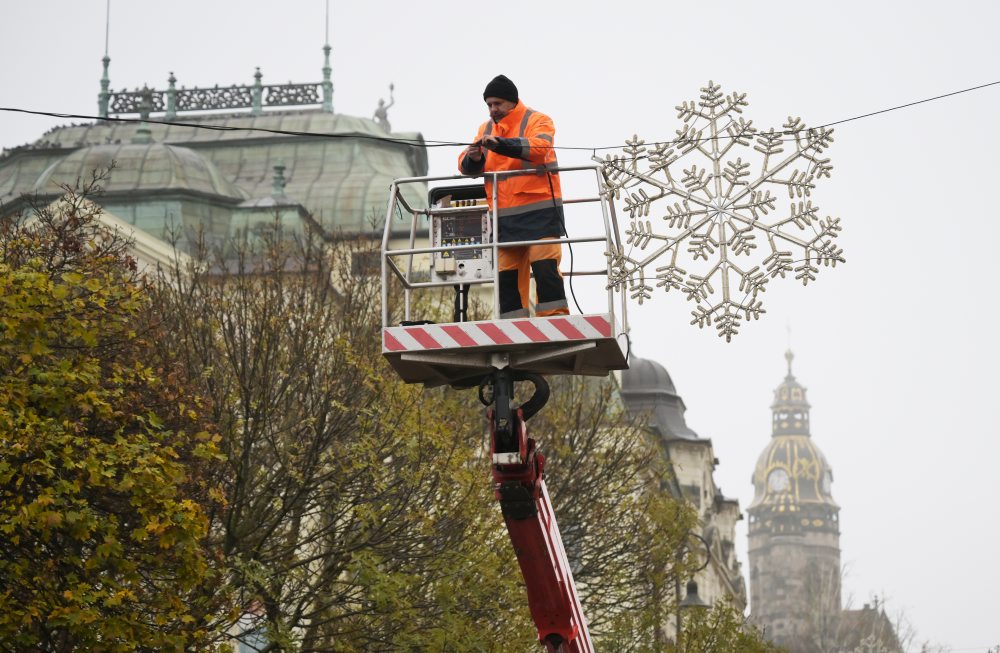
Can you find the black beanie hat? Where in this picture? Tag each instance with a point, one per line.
(502, 88)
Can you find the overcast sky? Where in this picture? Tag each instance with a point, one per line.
(898, 348)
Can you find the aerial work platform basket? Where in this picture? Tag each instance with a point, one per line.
(450, 244)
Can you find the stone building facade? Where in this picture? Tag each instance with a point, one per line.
(647, 389)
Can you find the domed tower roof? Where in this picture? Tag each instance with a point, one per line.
(792, 471)
(792, 475)
(648, 389)
(141, 166)
(644, 375)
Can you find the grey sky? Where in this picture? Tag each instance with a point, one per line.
(897, 347)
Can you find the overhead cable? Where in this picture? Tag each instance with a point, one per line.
(418, 142)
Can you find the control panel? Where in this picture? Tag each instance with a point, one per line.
(461, 222)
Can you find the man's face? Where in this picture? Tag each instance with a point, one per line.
(499, 107)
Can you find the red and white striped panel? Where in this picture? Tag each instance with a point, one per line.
(428, 337)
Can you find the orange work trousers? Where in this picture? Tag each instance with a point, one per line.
(516, 266)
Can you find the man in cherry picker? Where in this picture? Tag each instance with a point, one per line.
(529, 207)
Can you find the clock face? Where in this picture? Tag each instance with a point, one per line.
(777, 480)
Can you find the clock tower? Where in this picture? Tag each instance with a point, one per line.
(794, 532)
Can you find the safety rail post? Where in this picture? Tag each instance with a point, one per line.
(496, 250)
(385, 253)
(409, 260)
(610, 247)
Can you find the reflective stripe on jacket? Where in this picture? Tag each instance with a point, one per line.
(530, 206)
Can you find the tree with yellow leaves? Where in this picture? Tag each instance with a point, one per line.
(104, 459)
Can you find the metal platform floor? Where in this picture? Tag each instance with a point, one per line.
(461, 352)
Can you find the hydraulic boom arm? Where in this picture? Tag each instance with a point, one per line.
(519, 486)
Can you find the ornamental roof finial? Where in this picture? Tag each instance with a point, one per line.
(104, 96)
(327, 82)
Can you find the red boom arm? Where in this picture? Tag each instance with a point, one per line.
(531, 523)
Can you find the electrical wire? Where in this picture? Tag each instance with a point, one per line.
(227, 128)
(824, 126)
(908, 104)
(428, 143)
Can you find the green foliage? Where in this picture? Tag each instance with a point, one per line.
(721, 628)
(102, 526)
(620, 524)
(234, 433)
(360, 513)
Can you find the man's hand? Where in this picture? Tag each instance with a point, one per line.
(490, 142)
(475, 151)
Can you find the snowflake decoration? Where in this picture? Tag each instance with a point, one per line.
(722, 228)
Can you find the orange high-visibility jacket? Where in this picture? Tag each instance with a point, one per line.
(529, 206)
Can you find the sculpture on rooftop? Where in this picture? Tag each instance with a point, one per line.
(720, 235)
(381, 115)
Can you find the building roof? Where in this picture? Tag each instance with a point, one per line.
(801, 474)
(868, 629)
(341, 172)
(648, 389)
(141, 167)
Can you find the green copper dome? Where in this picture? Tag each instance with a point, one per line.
(145, 167)
(341, 171)
(337, 167)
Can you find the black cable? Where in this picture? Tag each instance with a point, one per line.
(908, 104)
(487, 392)
(538, 398)
(227, 128)
(572, 292)
(823, 126)
(436, 143)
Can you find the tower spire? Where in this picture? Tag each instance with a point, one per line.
(105, 94)
(327, 83)
(107, 26)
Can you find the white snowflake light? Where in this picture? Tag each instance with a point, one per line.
(704, 207)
